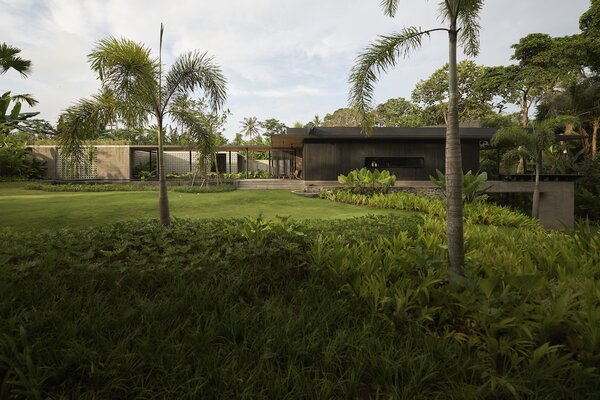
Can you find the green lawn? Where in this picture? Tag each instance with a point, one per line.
(31, 209)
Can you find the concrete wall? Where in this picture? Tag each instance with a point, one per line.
(49, 155)
(557, 200)
(113, 162)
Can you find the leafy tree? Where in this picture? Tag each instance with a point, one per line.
(474, 101)
(238, 140)
(135, 87)
(272, 127)
(251, 127)
(343, 117)
(462, 19)
(398, 112)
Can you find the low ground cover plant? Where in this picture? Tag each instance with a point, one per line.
(125, 187)
(475, 213)
(284, 309)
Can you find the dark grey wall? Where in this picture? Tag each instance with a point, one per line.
(326, 159)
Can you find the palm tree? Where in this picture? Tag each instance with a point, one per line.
(531, 144)
(134, 88)
(316, 121)
(9, 59)
(462, 18)
(250, 127)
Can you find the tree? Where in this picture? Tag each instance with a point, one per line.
(272, 127)
(317, 121)
(9, 59)
(11, 117)
(134, 88)
(474, 100)
(462, 18)
(398, 112)
(343, 117)
(532, 144)
(250, 127)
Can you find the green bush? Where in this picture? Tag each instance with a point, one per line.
(527, 307)
(16, 161)
(474, 213)
(365, 181)
(474, 186)
(587, 190)
(281, 309)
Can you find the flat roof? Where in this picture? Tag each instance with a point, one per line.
(296, 136)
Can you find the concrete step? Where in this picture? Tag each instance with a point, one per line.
(257, 184)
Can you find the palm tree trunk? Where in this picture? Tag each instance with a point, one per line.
(535, 210)
(163, 198)
(454, 167)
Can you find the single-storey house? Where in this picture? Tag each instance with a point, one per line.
(322, 154)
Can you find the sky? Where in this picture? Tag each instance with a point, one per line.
(284, 59)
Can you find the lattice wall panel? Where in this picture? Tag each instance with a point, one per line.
(85, 169)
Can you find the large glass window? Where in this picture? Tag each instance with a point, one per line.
(394, 162)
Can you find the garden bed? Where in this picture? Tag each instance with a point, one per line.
(359, 308)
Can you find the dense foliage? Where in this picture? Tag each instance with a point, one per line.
(258, 309)
(475, 213)
(474, 185)
(366, 181)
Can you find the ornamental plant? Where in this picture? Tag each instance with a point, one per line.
(368, 182)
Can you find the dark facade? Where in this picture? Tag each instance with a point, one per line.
(409, 153)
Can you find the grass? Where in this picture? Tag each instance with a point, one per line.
(23, 209)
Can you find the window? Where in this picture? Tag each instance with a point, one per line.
(394, 162)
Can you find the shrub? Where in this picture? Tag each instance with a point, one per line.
(474, 188)
(475, 213)
(587, 190)
(16, 161)
(366, 181)
(282, 309)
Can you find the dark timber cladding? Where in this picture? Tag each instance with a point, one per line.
(409, 153)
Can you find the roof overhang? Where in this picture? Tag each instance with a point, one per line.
(296, 136)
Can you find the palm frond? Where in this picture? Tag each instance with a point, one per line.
(375, 60)
(390, 7)
(468, 20)
(465, 14)
(126, 68)
(9, 59)
(26, 97)
(198, 127)
(192, 71)
(85, 120)
(511, 136)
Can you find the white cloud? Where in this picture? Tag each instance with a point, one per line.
(287, 59)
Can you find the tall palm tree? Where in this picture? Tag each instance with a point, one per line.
(250, 127)
(9, 59)
(134, 88)
(462, 26)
